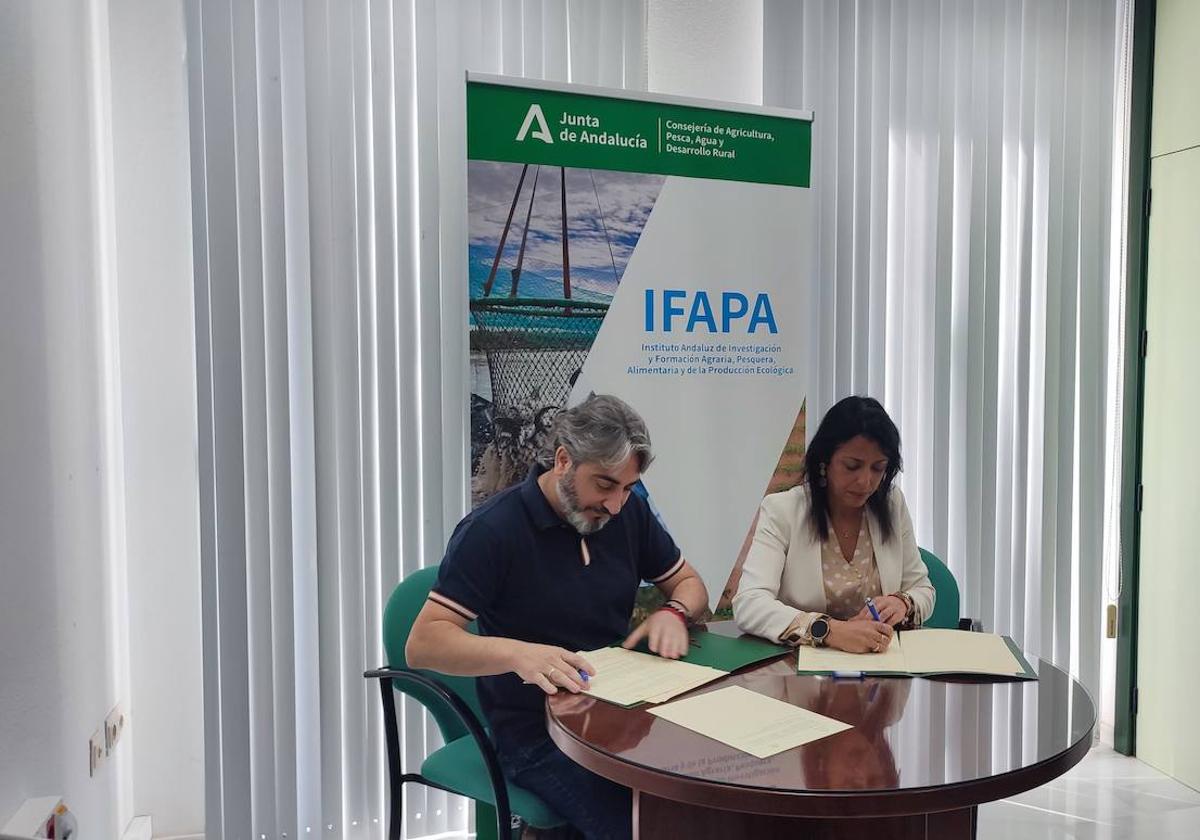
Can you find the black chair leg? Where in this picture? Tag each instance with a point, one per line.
(396, 800)
(397, 816)
(396, 775)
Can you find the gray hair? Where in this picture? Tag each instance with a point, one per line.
(600, 430)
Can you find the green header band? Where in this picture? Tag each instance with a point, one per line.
(553, 127)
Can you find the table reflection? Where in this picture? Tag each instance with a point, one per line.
(907, 734)
(860, 758)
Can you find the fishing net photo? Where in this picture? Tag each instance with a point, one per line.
(548, 248)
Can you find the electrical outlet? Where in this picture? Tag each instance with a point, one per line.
(95, 752)
(114, 725)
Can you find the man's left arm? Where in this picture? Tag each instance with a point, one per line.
(667, 628)
(686, 589)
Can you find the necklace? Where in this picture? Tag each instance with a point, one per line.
(848, 533)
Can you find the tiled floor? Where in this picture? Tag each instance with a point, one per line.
(1105, 796)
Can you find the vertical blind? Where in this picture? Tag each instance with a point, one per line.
(329, 214)
(968, 167)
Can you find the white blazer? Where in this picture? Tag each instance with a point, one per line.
(782, 577)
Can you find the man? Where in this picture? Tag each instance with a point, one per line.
(549, 567)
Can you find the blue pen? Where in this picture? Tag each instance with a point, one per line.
(871, 607)
(583, 676)
(848, 675)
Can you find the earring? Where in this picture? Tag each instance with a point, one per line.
(821, 480)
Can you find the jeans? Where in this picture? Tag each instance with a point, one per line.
(600, 809)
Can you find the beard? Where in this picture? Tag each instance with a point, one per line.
(575, 513)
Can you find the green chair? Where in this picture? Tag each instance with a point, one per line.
(945, 609)
(467, 764)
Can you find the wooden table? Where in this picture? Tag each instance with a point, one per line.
(923, 754)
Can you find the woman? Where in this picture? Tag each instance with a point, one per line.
(841, 536)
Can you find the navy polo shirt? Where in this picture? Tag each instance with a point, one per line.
(518, 568)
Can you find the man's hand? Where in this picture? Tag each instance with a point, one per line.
(891, 610)
(550, 668)
(859, 636)
(668, 635)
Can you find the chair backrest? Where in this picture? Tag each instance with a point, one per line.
(398, 616)
(946, 608)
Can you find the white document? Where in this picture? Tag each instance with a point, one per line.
(751, 722)
(891, 658)
(925, 651)
(958, 652)
(683, 688)
(626, 677)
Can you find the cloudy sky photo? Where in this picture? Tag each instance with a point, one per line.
(606, 212)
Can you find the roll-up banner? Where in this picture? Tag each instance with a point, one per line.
(655, 248)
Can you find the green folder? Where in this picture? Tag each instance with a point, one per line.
(722, 653)
(1029, 673)
(726, 653)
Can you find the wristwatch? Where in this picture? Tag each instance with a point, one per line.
(818, 631)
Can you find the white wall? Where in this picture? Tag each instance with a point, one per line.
(61, 658)
(99, 593)
(154, 281)
(705, 48)
(1167, 680)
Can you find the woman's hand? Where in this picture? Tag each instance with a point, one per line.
(667, 633)
(859, 636)
(550, 668)
(891, 610)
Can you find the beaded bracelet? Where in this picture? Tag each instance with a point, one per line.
(676, 612)
(679, 605)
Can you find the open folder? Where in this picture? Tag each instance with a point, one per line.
(630, 677)
(626, 677)
(926, 652)
(726, 653)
